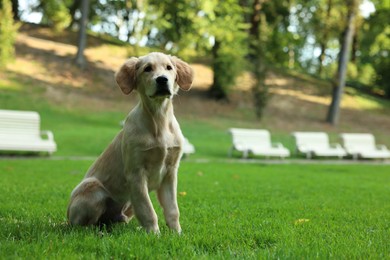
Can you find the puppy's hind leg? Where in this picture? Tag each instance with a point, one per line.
(116, 212)
(88, 202)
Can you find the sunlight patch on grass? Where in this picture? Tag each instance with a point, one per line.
(355, 102)
(117, 54)
(30, 68)
(6, 84)
(203, 76)
(58, 48)
(45, 73)
(358, 102)
(302, 96)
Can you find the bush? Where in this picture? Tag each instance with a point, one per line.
(352, 71)
(228, 63)
(383, 76)
(56, 14)
(367, 75)
(226, 69)
(8, 31)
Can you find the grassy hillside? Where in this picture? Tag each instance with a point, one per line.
(86, 106)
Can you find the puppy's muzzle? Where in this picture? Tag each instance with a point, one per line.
(162, 87)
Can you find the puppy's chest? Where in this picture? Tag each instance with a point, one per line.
(158, 162)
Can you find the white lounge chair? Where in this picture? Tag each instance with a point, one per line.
(257, 142)
(316, 144)
(363, 146)
(20, 131)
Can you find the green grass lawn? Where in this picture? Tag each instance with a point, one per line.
(228, 211)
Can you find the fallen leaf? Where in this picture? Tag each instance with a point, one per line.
(301, 221)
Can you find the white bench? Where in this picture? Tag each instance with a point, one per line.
(20, 131)
(363, 146)
(316, 144)
(257, 142)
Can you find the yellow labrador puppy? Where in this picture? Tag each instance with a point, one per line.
(144, 156)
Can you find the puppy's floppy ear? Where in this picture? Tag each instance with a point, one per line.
(126, 76)
(185, 74)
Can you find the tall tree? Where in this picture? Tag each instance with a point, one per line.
(267, 38)
(226, 26)
(15, 9)
(338, 88)
(374, 48)
(82, 41)
(177, 23)
(318, 23)
(55, 14)
(323, 41)
(72, 12)
(8, 31)
(257, 57)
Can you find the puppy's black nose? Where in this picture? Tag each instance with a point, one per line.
(162, 80)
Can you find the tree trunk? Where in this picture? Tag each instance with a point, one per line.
(321, 58)
(338, 88)
(257, 59)
(82, 42)
(324, 41)
(15, 9)
(217, 89)
(291, 57)
(254, 30)
(355, 47)
(72, 11)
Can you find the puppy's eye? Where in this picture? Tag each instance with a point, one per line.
(169, 67)
(148, 68)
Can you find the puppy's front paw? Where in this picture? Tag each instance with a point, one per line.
(175, 228)
(153, 230)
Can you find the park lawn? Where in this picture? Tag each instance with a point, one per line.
(227, 211)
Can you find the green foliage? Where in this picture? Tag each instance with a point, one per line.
(275, 37)
(177, 24)
(291, 32)
(230, 44)
(266, 46)
(352, 71)
(367, 74)
(55, 14)
(375, 49)
(383, 76)
(8, 32)
(227, 65)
